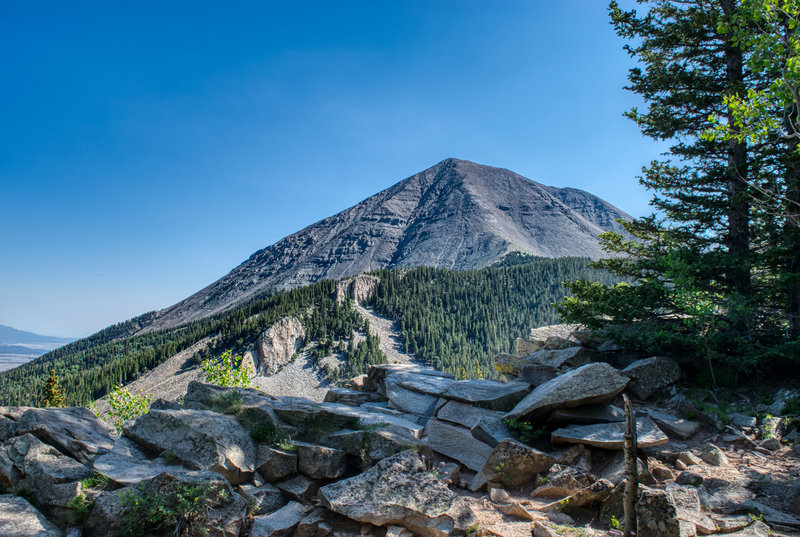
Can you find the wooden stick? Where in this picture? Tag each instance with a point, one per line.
(631, 471)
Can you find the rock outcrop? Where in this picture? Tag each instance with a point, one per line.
(277, 345)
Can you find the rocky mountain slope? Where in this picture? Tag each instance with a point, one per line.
(456, 214)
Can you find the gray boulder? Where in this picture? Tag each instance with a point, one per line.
(458, 444)
(591, 384)
(314, 525)
(281, 523)
(409, 400)
(657, 516)
(675, 426)
(377, 375)
(651, 374)
(126, 465)
(348, 397)
(400, 491)
(74, 431)
(7, 428)
(587, 415)
(299, 488)
(564, 482)
(274, 464)
(512, 464)
(204, 396)
(18, 518)
(200, 439)
(609, 435)
(491, 394)
(26, 461)
(382, 443)
(615, 471)
(565, 357)
(320, 462)
(262, 500)
(465, 414)
(351, 442)
(537, 374)
(491, 431)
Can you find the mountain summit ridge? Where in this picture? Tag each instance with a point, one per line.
(456, 214)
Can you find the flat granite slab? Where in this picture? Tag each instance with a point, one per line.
(609, 435)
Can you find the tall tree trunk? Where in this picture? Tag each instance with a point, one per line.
(791, 232)
(738, 240)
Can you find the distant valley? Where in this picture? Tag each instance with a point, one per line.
(19, 346)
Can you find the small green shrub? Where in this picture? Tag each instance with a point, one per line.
(97, 481)
(227, 403)
(613, 523)
(181, 509)
(79, 507)
(227, 370)
(124, 406)
(523, 430)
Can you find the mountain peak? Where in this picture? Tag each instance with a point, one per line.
(456, 214)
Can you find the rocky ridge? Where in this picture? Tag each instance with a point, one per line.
(456, 214)
(407, 450)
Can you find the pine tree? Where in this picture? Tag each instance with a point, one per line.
(53, 392)
(703, 288)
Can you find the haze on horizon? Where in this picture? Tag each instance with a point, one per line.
(147, 151)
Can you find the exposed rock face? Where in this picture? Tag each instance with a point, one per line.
(360, 288)
(399, 491)
(589, 384)
(457, 214)
(277, 344)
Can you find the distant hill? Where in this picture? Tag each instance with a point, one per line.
(12, 336)
(456, 215)
(19, 346)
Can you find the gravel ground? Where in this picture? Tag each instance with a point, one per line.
(299, 379)
(384, 328)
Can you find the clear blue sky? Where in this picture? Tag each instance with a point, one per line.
(147, 149)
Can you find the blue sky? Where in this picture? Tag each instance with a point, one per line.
(147, 149)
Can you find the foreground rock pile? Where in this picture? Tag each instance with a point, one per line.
(404, 450)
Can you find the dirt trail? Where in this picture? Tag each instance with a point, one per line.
(391, 344)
